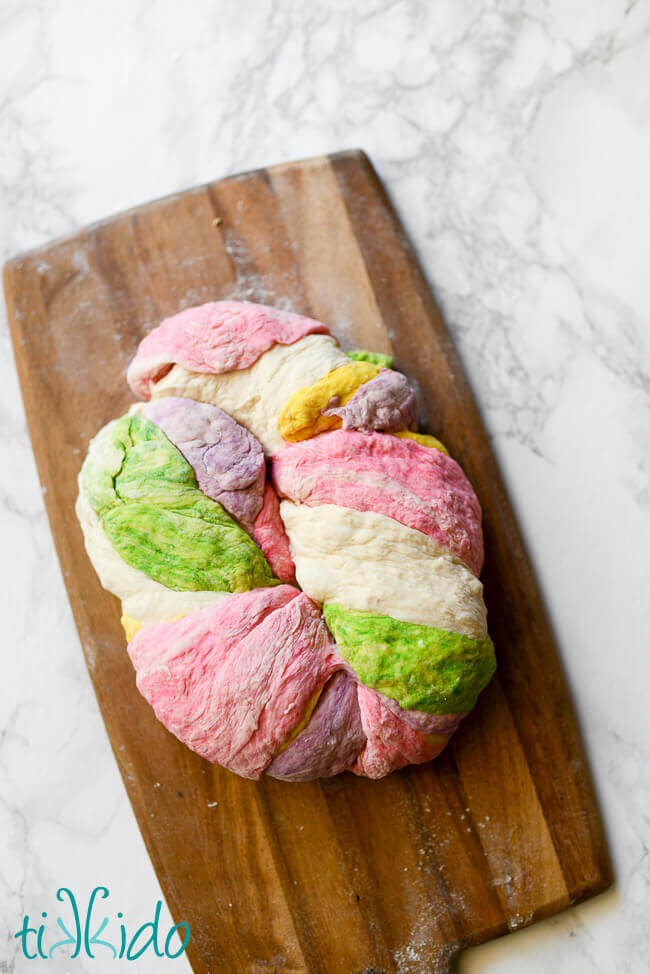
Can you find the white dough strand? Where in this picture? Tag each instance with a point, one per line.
(256, 396)
(371, 563)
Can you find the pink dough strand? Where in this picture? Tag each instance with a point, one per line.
(233, 680)
(391, 743)
(413, 484)
(269, 534)
(221, 336)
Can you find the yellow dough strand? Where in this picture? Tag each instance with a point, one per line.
(303, 416)
(311, 706)
(424, 440)
(131, 626)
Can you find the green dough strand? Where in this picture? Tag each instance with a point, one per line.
(420, 667)
(377, 358)
(152, 510)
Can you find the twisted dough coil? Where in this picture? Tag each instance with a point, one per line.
(298, 566)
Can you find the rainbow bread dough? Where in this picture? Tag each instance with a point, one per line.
(298, 566)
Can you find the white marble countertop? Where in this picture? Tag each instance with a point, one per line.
(514, 138)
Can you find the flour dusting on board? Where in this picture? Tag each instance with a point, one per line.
(422, 950)
(251, 285)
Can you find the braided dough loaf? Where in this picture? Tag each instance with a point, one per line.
(298, 567)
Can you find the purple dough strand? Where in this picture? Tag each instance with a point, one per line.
(385, 403)
(228, 461)
(331, 740)
(443, 724)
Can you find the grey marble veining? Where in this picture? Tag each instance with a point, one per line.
(514, 138)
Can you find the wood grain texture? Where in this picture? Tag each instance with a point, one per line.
(344, 875)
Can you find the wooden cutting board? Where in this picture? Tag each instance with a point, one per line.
(344, 875)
